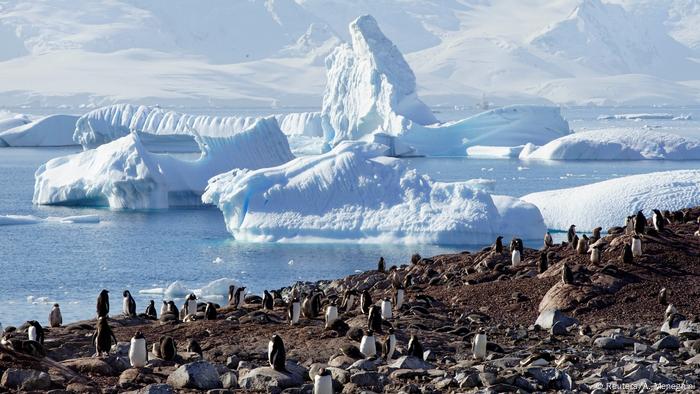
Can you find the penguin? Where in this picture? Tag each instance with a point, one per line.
(636, 246)
(415, 348)
(35, 331)
(368, 345)
(168, 349)
(190, 306)
(663, 296)
(544, 263)
(103, 304)
(138, 353)
(596, 234)
(670, 310)
(172, 308)
(571, 233)
(515, 258)
(498, 246)
(103, 336)
(566, 275)
(193, 347)
(129, 305)
(415, 258)
(268, 303)
(276, 355)
(582, 245)
(595, 254)
(389, 345)
(316, 306)
(479, 343)
(210, 312)
(294, 310)
(627, 257)
(331, 313)
(239, 297)
(386, 309)
(55, 317)
(408, 281)
(381, 266)
(151, 310)
(323, 382)
(398, 297)
(374, 319)
(516, 244)
(365, 302)
(640, 223)
(349, 300)
(164, 308)
(574, 242)
(231, 294)
(548, 241)
(658, 220)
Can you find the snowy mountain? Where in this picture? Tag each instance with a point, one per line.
(271, 52)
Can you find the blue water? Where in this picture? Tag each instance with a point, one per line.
(69, 263)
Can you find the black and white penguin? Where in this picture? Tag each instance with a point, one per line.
(408, 281)
(663, 296)
(103, 304)
(636, 246)
(210, 312)
(128, 305)
(374, 319)
(55, 317)
(368, 345)
(35, 332)
(239, 297)
(596, 234)
(498, 245)
(543, 263)
(566, 275)
(190, 306)
(138, 352)
(276, 355)
(517, 244)
(331, 313)
(316, 303)
(365, 302)
(172, 308)
(571, 233)
(294, 310)
(268, 303)
(582, 245)
(323, 382)
(168, 348)
(574, 242)
(151, 310)
(415, 348)
(515, 258)
(231, 294)
(596, 254)
(381, 265)
(640, 223)
(164, 308)
(389, 345)
(548, 241)
(193, 347)
(398, 297)
(103, 336)
(386, 309)
(627, 257)
(658, 220)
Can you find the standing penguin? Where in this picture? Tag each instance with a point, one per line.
(193, 347)
(138, 353)
(164, 308)
(331, 313)
(103, 304)
(103, 336)
(408, 281)
(574, 242)
(627, 257)
(129, 305)
(663, 296)
(323, 382)
(386, 309)
(231, 294)
(515, 258)
(55, 317)
(389, 345)
(582, 245)
(374, 319)
(636, 246)
(172, 308)
(595, 254)
(658, 220)
(294, 310)
(596, 234)
(349, 300)
(239, 297)
(415, 348)
(276, 355)
(151, 310)
(479, 346)
(498, 246)
(398, 297)
(368, 345)
(640, 223)
(168, 348)
(190, 306)
(210, 312)
(548, 241)
(544, 263)
(365, 302)
(571, 233)
(566, 275)
(381, 265)
(316, 304)
(35, 331)
(268, 303)
(516, 244)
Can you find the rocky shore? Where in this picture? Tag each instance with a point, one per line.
(607, 330)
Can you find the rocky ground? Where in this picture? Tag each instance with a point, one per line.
(605, 332)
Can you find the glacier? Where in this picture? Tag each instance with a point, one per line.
(608, 203)
(618, 144)
(52, 130)
(354, 193)
(123, 174)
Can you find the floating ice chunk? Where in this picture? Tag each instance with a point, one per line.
(176, 289)
(494, 152)
(6, 220)
(218, 260)
(154, 291)
(637, 116)
(216, 289)
(52, 130)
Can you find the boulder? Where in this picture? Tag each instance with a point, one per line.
(368, 379)
(667, 342)
(90, 365)
(154, 389)
(229, 380)
(25, 380)
(609, 343)
(263, 378)
(199, 375)
(549, 317)
(410, 362)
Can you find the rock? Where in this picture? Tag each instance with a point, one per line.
(199, 375)
(667, 342)
(548, 318)
(695, 360)
(609, 343)
(429, 355)
(406, 374)
(25, 380)
(229, 380)
(138, 376)
(410, 362)
(341, 362)
(366, 364)
(559, 329)
(689, 330)
(232, 361)
(93, 366)
(640, 348)
(81, 388)
(154, 389)
(373, 380)
(263, 378)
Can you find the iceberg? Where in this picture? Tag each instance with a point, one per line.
(52, 130)
(355, 193)
(371, 94)
(618, 144)
(8, 220)
(123, 174)
(608, 203)
(9, 120)
(644, 116)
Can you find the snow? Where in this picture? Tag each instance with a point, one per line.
(123, 174)
(639, 116)
(354, 193)
(608, 203)
(7, 220)
(618, 144)
(52, 130)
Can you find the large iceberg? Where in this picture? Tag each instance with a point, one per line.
(123, 174)
(608, 203)
(355, 193)
(9, 120)
(52, 130)
(618, 144)
(371, 94)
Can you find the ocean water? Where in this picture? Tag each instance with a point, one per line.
(70, 263)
